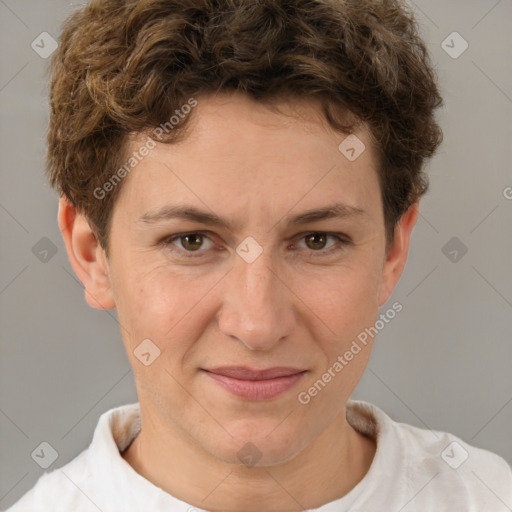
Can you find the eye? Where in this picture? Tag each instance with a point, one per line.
(316, 242)
(192, 245)
(188, 243)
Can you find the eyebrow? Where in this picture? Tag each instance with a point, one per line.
(191, 213)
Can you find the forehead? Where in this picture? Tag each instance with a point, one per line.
(237, 113)
(240, 151)
(244, 122)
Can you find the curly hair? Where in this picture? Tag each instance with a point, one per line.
(123, 67)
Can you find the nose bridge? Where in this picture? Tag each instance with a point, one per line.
(256, 308)
(258, 279)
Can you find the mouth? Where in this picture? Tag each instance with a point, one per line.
(253, 384)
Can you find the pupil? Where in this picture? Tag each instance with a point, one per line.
(319, 235)
(195, 245)
(318, 240)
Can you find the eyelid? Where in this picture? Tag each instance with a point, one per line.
(343, 239)
(168, 241)
(341, 236)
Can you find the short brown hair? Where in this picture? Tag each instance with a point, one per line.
(124, 67)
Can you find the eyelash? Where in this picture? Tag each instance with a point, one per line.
(342, 239)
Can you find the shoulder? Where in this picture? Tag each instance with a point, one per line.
(88, 477)
(458, 467)
(442, 468)
(59, 490)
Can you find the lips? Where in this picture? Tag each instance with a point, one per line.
(245, 373)
(253, 384)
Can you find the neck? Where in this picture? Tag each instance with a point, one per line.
(326, 470)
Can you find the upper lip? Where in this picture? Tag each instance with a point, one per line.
(246, 373)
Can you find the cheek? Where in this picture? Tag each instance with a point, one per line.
(344, 299)
(156, 304)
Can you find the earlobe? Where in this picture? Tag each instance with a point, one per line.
(396, 257)
(86, 256)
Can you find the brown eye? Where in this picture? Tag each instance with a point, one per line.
(188, 244)
(316, 241)
(191, 242)
(318, 245)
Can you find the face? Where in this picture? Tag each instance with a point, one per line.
(264, 287)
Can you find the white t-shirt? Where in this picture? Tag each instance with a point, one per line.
(413, 470)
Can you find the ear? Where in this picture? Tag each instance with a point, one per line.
(396, 256)
(86, 256)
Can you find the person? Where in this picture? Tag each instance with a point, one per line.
(240, 180)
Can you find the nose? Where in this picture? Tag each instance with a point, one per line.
(258, 307)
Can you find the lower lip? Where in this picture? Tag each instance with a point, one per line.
(256, 389)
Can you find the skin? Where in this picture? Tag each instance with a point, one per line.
(290, 307)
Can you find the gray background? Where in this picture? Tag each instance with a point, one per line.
(445, 361)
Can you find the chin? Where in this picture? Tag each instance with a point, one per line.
(261, 445)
